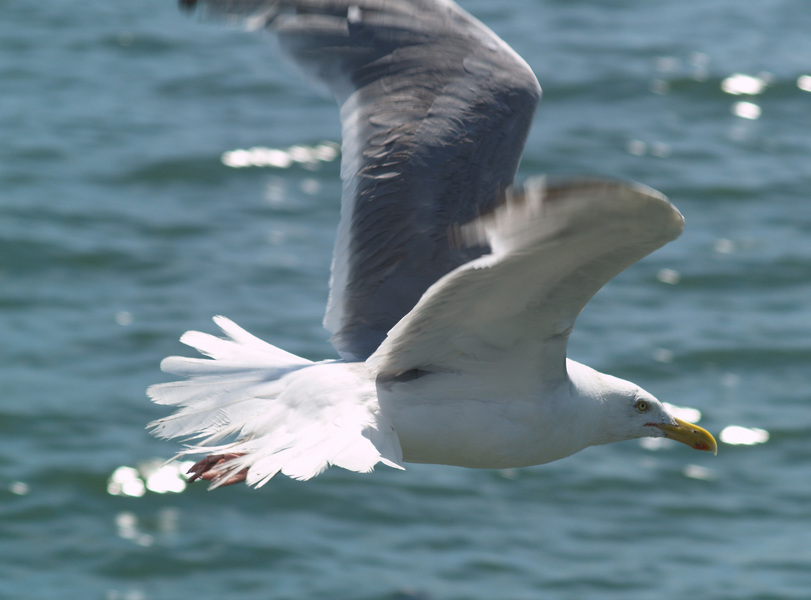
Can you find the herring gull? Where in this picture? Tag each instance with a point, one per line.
(453, 292)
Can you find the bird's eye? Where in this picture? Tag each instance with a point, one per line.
(641, 405)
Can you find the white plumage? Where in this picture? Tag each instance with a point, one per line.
(453, 295)
(287, 414)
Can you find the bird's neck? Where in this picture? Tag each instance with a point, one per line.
(589, 403)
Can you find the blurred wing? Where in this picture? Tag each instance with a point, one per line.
(552, 250)
(435, 110)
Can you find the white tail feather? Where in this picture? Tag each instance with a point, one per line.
(277, 411)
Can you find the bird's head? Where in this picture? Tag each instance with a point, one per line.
(635, 413)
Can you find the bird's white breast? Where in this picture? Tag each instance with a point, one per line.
(462, 420)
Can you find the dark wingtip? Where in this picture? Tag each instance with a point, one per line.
(187, 5)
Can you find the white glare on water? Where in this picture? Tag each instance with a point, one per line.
(746, 110)
(281, 158)
(739, 84)
(152, 476)
(743, 436)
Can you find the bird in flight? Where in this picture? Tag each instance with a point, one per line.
(453, 290)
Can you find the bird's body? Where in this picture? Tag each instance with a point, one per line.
(452, 295)
(484, 422)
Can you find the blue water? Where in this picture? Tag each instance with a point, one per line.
(120, 228)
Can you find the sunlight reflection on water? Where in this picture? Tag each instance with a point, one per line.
(282, 158)
(153, 476)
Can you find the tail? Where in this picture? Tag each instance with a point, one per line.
(272, 411)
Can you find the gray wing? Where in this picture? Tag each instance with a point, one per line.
(435, 110)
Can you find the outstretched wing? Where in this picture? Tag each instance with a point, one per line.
(435, 110)
(552, 250)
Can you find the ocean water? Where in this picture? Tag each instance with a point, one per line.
(123, 223)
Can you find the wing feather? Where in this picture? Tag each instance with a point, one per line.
(553, 249)
(435, 110)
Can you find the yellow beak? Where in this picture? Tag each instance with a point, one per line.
(692, 435)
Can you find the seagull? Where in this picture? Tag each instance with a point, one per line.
(453, 290)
